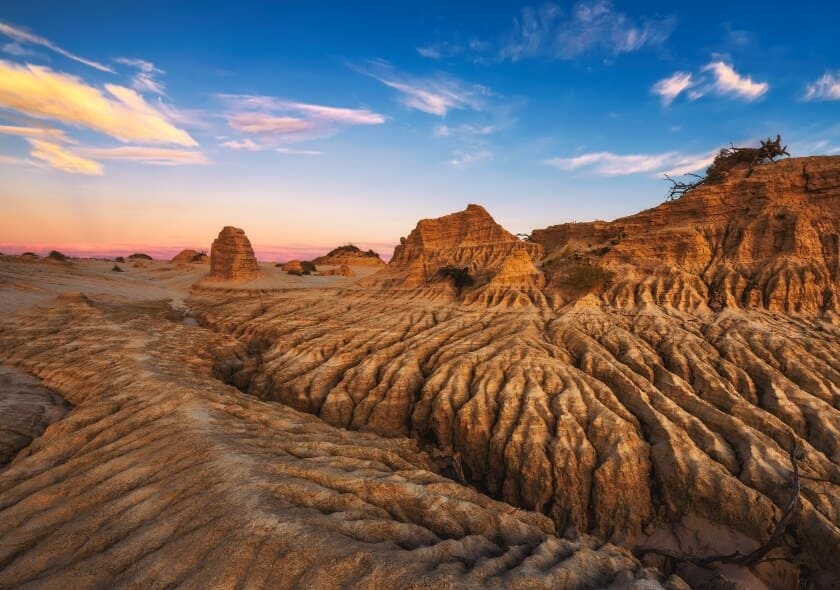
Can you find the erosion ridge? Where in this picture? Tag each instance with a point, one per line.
(162, 476)
(656, 410)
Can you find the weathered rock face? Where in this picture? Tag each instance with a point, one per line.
(766, 239)
(349, 255)
(162, 476)
(231, 256)
(471, 240)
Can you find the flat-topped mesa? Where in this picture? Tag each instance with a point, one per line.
(231, 256)
(767, 237)
(470, 242)
(349, 255)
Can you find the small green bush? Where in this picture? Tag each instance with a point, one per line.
(117, 269)
(583, 278)
(460, 276)
(308, 266)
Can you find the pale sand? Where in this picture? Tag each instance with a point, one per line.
(26, 283)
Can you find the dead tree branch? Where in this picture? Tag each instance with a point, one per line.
(728, 159)
(757, 555)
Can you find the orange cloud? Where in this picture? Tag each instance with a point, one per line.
(40, 92)
(57, 134)
(148, 155)
(57, 157)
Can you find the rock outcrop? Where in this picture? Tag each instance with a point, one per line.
(469, 240)
(231, 256)
(350, 255)
(767, 238)
(189, 256)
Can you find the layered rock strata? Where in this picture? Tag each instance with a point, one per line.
(231, 256)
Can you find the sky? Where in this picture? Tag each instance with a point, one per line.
(150, 126)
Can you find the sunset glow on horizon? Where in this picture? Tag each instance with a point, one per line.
(310, 133)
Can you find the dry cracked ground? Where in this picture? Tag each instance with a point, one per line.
(605, 405)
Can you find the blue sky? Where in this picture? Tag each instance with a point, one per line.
(311, 124)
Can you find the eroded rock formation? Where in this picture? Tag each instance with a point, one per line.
(469, 240)
(162, 476)
(768, 239)
(231, 256)
(649, 410)
(349, 255)
(189, 256)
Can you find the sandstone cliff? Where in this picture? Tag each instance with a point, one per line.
(500, 266)
(231, 256)
(768, 239)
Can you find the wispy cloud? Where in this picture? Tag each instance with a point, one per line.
(825, 88)
(461, 159)
(610, 164)
(592, 25)
(246, 145)
(433, 95)
(286, 121)
(724, 81)
(57, 156)
(145, 79)
(729, 82)
(43, 93)
(42, 132)
(671, 87)
(464, 131)
(24, 37)
(293, 152)
(147, 155)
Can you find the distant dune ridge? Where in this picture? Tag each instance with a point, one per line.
(604, 404)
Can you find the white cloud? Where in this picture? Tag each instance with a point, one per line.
(729, 82)
(247, 145)
(670, 88)
(41, 92)
(144, 80)
(610, 164)
(58, 157)
(435, 95)
(592, 25)
(460, 158)
(23, 37)
(464, 131)
(826, 88)
(290, 151)
(147, 155)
